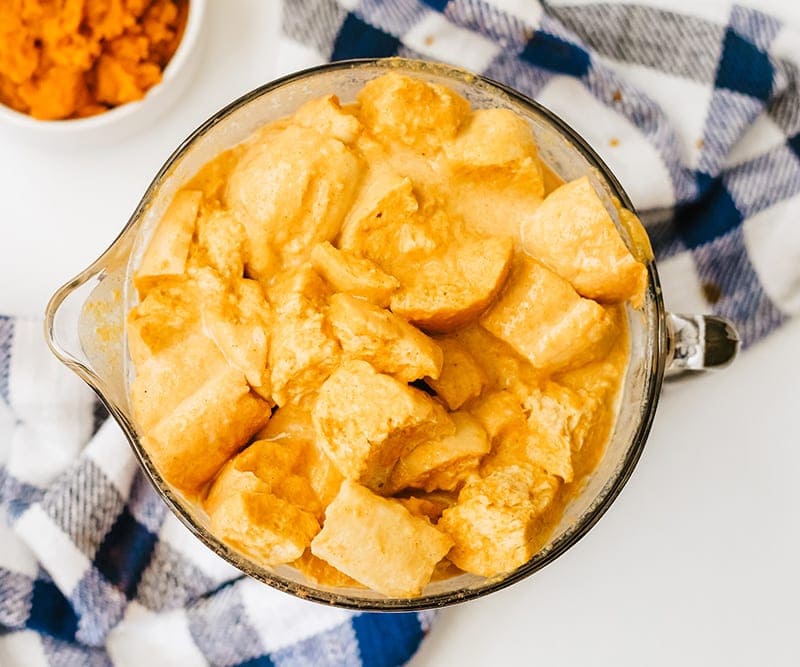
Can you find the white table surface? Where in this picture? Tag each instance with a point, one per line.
(697, 562)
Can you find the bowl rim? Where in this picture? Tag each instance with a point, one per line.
(191, 35)
(608, 493)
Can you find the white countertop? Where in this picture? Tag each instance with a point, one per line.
(697, 561)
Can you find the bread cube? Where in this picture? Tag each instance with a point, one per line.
(163, 318)
(290, 193)
(326, 116)
(495, 173)
(573, 233)
(545, 430)
(500, 413)
(601, 378)
(493, 524)
(385, 340)
(421, 115)
(164, 380)
(291, 425)
(302, 349)
(192, 442)
(461, 378)
(238, 322)
(377, 542)
(318, 572)
(497, 148)
(451, 289)
(321, 473)
(353, 275)
(365, 421)
(271, 461)
(168, 250)
(384, 201)
(444, 463)
(504, 367)
(247, 516)
(221, 240)
(506, 422)
(554, 417)
(546, 321)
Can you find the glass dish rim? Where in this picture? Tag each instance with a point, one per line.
(609, 492)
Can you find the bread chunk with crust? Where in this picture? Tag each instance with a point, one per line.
(384, 203)
(245, 513)
(497, 147)
(326, 116)
(421, 115)
(353, 275)
(545, 320)
(321, 573)
(451, 289)
(291, 425)
(168, 250)
(163, 318)
(160, 383)
(385, 419)
(385, 340)
(461, 378)
(290, 193)
(192, 442)
(494, 521)
(573, 233)
(442, 464)
(379, 543)
(545, 429)
(303, 350)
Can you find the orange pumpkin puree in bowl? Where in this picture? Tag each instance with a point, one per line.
(61, 60)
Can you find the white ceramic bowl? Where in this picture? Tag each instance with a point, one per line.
(125, 119)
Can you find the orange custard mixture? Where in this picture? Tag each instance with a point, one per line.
(382, 343)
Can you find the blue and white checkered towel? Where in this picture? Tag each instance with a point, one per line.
(699, 116)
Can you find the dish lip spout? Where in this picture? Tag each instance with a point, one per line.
(657, 339)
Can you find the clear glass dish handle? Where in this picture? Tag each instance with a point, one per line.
(699, 343)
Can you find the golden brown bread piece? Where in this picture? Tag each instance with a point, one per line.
(390, 109)
(379, 543)
(303, 350)
(192, 442)
(444, 463)
(245, 513)
(385, 340)
(317, 571)
(326, 116)
(451, 289)
(573, 233)
(461, 378)
(353, 275)
(168, 250)
(493, 523)
(546, 321)
(289, 193)
(384, 420)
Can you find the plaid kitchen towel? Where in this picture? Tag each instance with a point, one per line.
(699, 116)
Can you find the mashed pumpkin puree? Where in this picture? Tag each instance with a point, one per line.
(74, 58)
(376, 346)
